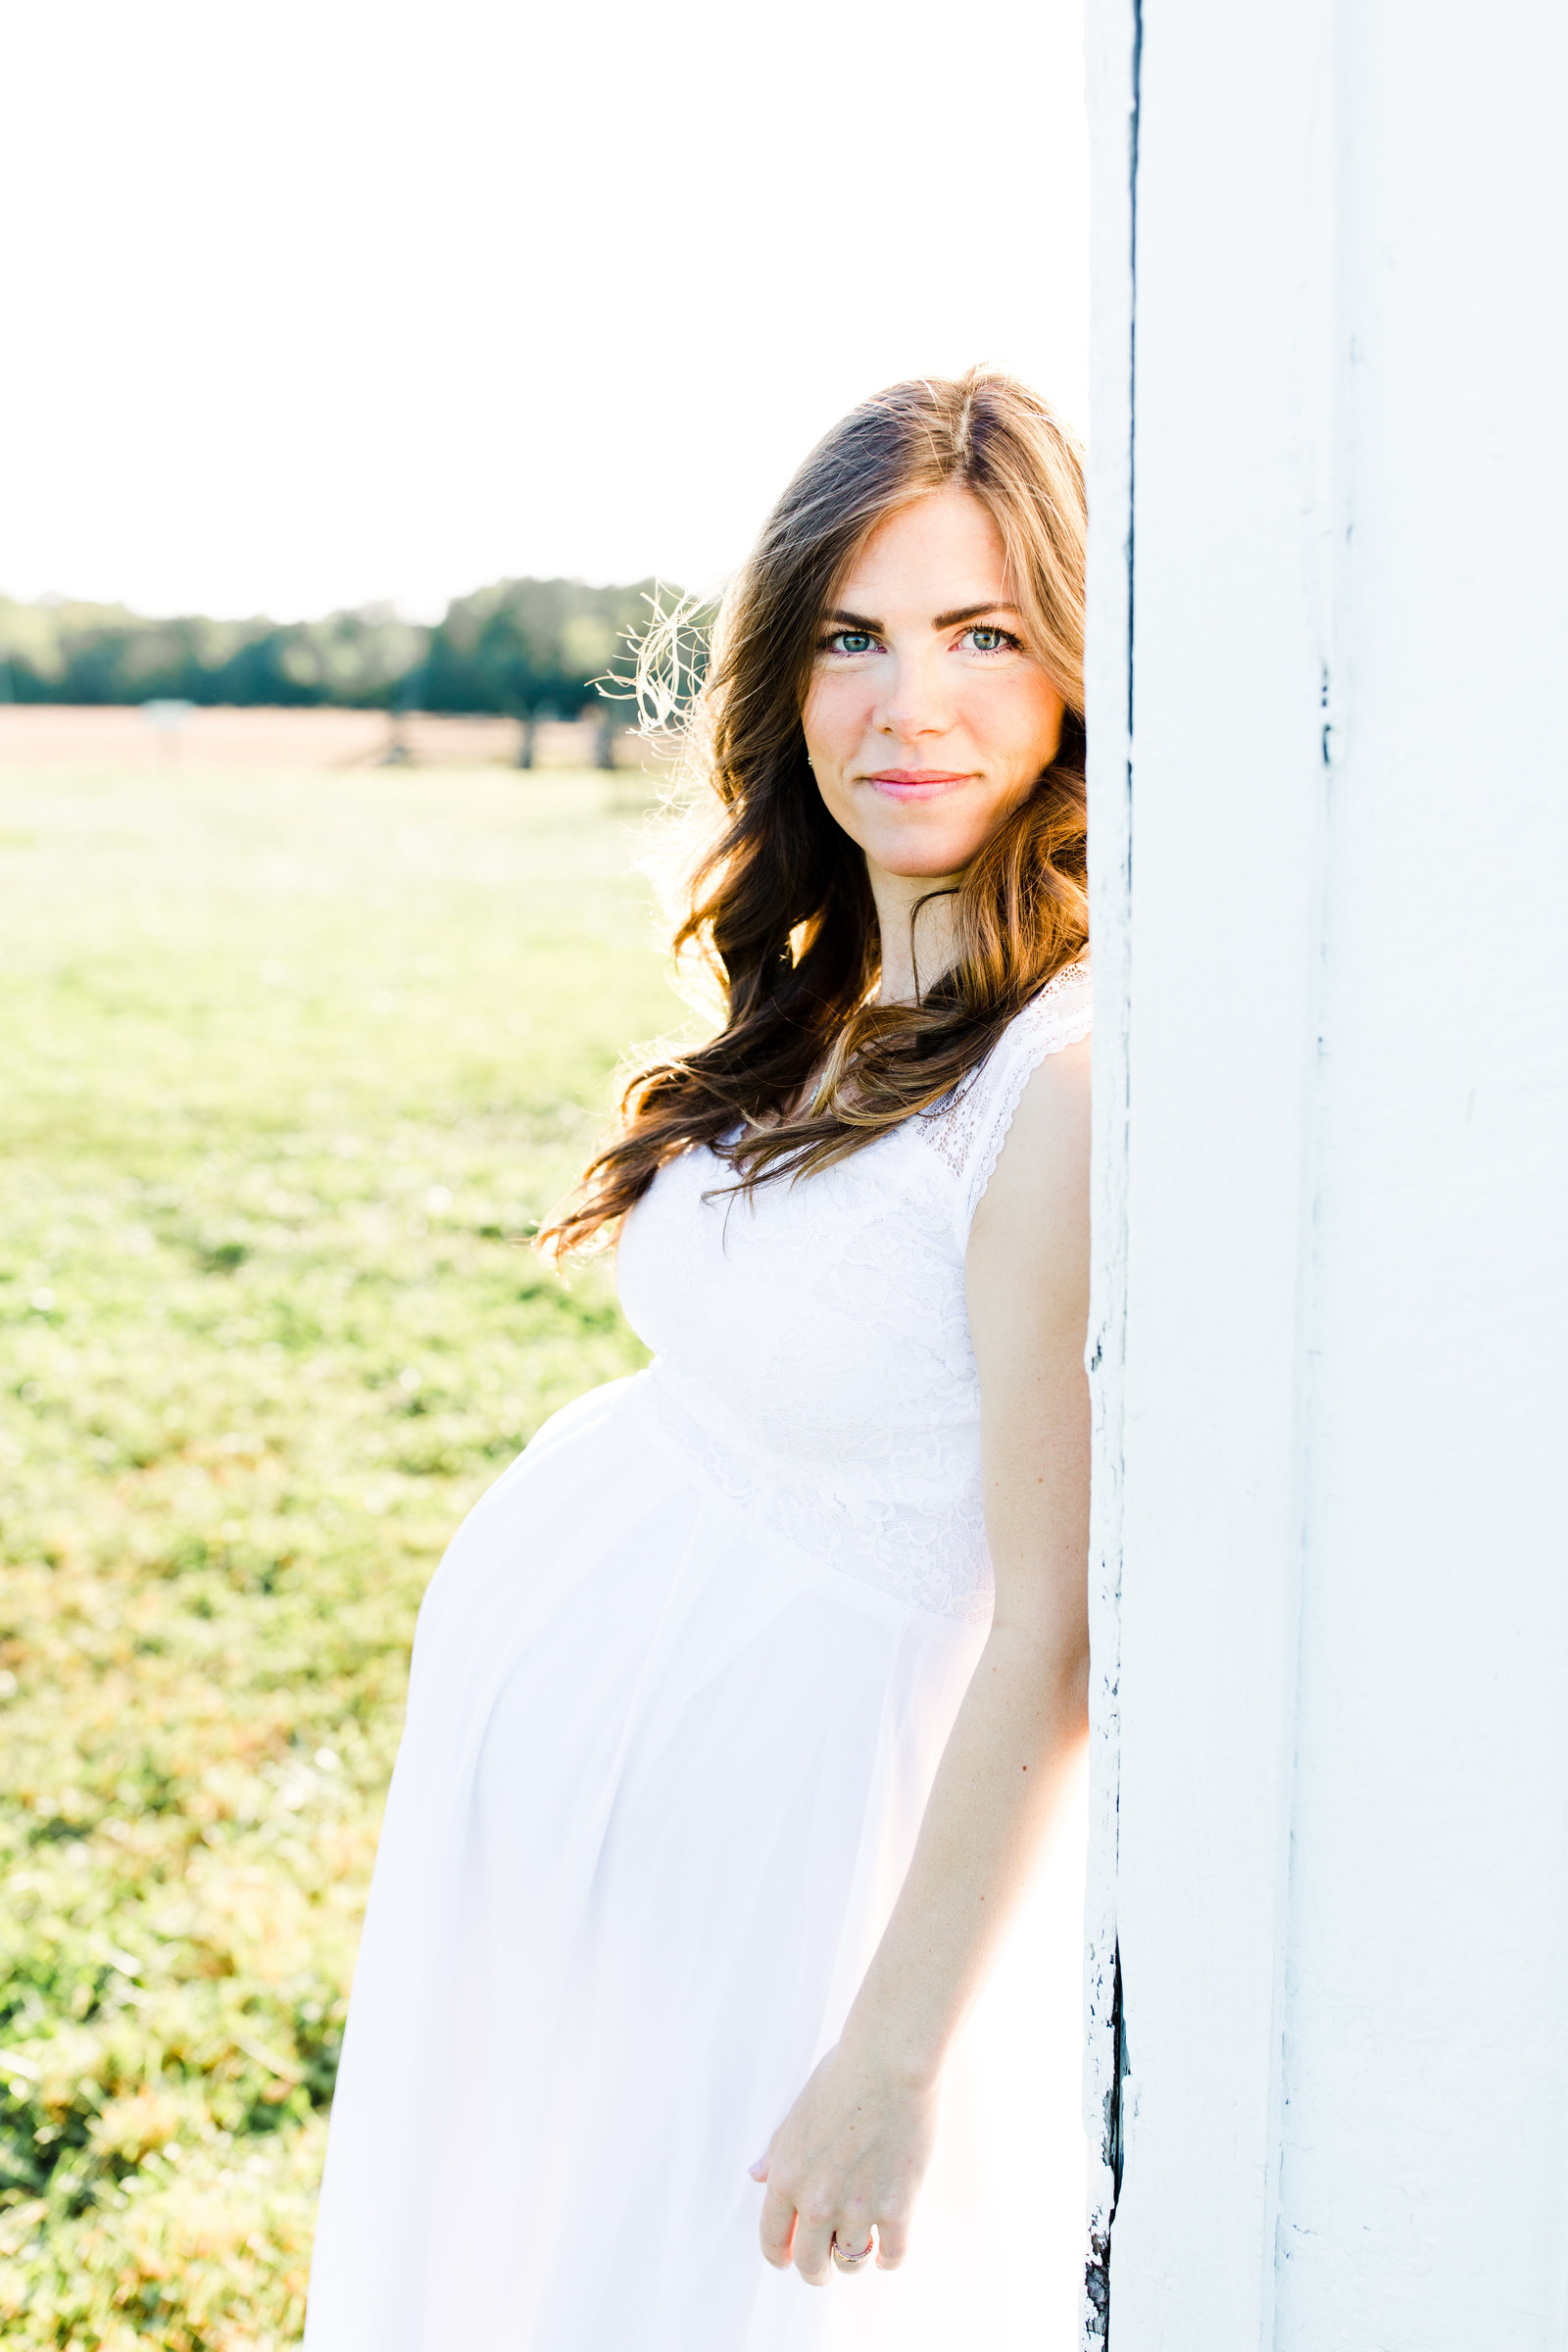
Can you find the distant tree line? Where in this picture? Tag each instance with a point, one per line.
(530, 649)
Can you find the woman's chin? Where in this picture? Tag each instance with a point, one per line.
(939, 860)
(928, 842)
(934, 876)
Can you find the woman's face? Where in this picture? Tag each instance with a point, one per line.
(928, 718)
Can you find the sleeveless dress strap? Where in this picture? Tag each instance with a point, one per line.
(969, 1132)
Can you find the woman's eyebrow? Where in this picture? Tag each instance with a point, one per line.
(943, 620)
(949, 620)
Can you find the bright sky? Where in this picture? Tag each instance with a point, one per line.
(312, 302)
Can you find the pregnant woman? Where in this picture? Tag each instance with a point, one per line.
(742, 1706)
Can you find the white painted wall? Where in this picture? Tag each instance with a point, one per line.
(1330, 801)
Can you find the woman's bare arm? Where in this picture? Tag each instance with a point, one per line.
(853, 2147)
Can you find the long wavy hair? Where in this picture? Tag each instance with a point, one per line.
(805, 1067)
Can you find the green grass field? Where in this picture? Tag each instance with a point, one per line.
(292, 1068)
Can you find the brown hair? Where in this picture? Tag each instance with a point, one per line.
(805, 1069)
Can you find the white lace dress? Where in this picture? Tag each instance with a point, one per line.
(679, 1689)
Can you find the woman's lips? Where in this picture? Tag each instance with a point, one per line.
(915, 783)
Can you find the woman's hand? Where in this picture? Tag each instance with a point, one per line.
(848, 2158)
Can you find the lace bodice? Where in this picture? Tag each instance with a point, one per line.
(811, 1344)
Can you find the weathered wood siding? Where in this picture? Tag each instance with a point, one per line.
(1330, 613)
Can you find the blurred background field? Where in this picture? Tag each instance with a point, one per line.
(293, 1063)
(126, 740)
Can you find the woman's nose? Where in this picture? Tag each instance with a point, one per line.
(915, 702)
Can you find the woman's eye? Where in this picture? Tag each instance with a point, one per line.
(985, 640)
(851, 641)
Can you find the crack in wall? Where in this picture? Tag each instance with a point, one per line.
(1096, 2273)
(1132, 376)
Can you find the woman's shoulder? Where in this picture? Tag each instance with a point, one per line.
(1059, 1015)
(1034, 1081)
(969, 1130)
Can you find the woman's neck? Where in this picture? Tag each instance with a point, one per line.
(916, 949)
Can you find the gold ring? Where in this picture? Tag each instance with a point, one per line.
(848, 2261)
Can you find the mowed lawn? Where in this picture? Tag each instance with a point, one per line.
(290, 1067)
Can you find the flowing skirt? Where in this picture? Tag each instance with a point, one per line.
(660, 1784)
